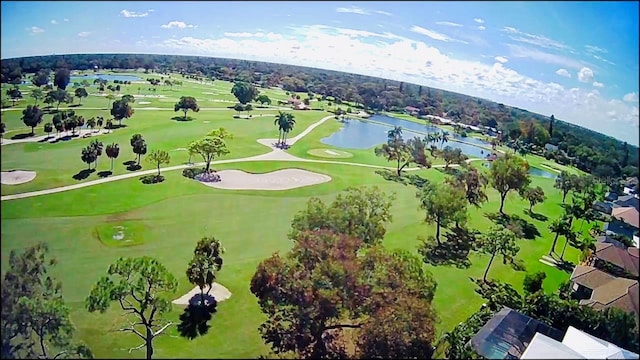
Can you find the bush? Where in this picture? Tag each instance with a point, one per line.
(192, 172)
(208, 177)
(152, 179)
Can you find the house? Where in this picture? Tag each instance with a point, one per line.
(627, 201)
(622, 260)
(611, 196)
(628, 215)
(576, 344)
(550, 147)
(603, 207)
(610, 240)
(619, 227)
(600, 290)
(411, 110)
(508, 333)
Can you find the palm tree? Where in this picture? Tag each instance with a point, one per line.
(112, 151)
(559, 227)
(444, 137)
(570, 237)
(289, 123)
(394, 134)
(279, 121)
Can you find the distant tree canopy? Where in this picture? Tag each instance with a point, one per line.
(592, 152)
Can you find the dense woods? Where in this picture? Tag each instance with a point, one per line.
(590, 151)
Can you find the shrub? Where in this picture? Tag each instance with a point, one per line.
(152, 179)
(208, 177)
(192, 172)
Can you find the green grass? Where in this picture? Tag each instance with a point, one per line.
(166, 220)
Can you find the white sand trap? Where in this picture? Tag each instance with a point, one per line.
(219, 292)
(206, 122)
(331, 152)
(144, 102)
(208, 93)
(278, 180)
(16, 177)
(180, 149)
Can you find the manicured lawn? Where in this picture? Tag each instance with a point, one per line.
(172, 216)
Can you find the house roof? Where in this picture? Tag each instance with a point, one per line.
(592, 347)
(610, 240)
(544, 347)
(627, 201)
(607, 290)
(590, 277)
(624, 258)
(629, 215)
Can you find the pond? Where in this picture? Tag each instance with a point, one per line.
(534, 171)
(357, 134)
(108, 77)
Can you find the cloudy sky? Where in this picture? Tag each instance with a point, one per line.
(576, 60)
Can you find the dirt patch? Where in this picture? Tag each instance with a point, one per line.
(219, 292)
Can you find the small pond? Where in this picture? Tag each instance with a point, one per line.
(357, 134)
(534, 171)
(108, 77)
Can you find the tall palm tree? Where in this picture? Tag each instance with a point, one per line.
(394, 133)
(280, 121)
(444, 137)
(559, 227)
(289, 123)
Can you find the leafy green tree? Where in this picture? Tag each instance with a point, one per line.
(62, 78)
(403, 153)
(473, 183)
(15, 94)
(136, 284)
(109, 98)
(40, 78)
(498, 241)
(452, 156)
(243, 91)
(209, 148)
(358, 212)
(533, 195)
(206, 262)
(158, 157)
(48, 128)
(443, 204)
(533, 282)
(121, 110)
(129, 99)
(507, 173)
(97, 146)
(263, 99)
(35, 318)
(239, 108)
(37, 94)
(248, 108)
(89, 155)
(112, 151)
(315, 292)
(80, 93)
(58, 96)
(185, 104)
(139, 145)
(31, 117)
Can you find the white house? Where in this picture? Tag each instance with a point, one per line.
(550, 147)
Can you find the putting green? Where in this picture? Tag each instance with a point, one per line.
(326, 153)
(116, 234)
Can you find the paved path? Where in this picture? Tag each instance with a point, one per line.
(155, 108)
(275, 154)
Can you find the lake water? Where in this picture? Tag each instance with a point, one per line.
(108, 77)
(357, 134)
(534, 171)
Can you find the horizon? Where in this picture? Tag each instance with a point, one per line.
(545, 59)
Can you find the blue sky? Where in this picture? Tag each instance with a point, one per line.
(576, 60)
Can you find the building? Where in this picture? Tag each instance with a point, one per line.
(550, 147)
(411, 110)
(600, 290)
(628, 215)
(620, 259)
(508, 333)
(575, 344)
(627, 201)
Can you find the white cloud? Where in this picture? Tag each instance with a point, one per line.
(434, 35)
(382, 12)
(66, 20)
(352, 10)
(501, 59)
(448, 23)
(35, 30)
(481, 27)
(585, 75)
(537, 40)
(54, 22)
(598, 57)
(84, 33)
(478, 20)
(564, 73)
(133, 14)
(177, 24)
(268, 36)
(535, 54)
(402, 59)
(150, 10)
(593, 48)
(598, 84)
(630, 97)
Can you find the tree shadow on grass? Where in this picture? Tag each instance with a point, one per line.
(518, 225)
(194, 320)
(83, 174)
(454, 251)
(536, 216)
(104, 174)
(181, 118)
(408, 179)
(45, 139)
(22, 136)
(134, 167)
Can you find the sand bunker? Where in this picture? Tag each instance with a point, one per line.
(144, 102)
(219, 292)
(208, 93)
(278, 180)
(16, 177)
